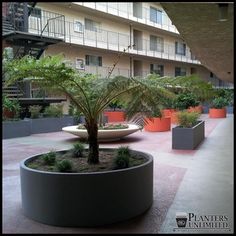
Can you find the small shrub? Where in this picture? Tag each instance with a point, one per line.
(35, 111)
(49, 158)
(186, 100)
(78, 149)
(53, 111)
(219, 102)
(124, 151)
(10, 105)
(64, 166)
(122, 159)
(187, 119)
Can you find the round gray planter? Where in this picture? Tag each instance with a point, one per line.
(86, 199)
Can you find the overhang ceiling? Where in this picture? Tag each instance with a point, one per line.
(209, 39)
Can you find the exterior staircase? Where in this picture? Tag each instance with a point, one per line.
(15, 31)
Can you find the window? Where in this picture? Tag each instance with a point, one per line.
(92, 25)
(180, 48)
(155, 15)
(79, 64)
(78, 27)
(93, 60)
(157, 69)
(156, 43)
(180, 71)
(36, 12)
(193, 70)
(137, 9)
(211, 75)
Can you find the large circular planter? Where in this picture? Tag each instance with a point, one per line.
(103, 135)
(115, 116)
(86, 199)
(157, 124)
(217, 113)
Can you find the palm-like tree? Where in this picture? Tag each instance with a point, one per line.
(91, 95)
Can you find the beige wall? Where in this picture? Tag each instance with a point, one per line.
(72, 52)
(76, 14)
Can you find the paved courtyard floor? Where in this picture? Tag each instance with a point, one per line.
(198, 182)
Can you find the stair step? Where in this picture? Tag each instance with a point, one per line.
(14, 95)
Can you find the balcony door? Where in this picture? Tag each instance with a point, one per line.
(138, 40)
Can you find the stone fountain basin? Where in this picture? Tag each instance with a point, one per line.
(103, 135)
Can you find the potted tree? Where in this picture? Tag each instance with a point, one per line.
(190, 131)
(218, 108)
(157, 123)
(168, 107)
(11, 108)
(87, 199)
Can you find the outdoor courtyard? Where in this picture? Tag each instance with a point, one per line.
(196, 181)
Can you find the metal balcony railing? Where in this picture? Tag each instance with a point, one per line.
(125, 10)
(117, 42)
(103, 71)
(217, 83)
(49, 24)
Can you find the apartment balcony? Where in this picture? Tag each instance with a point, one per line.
(115, 41)
(126, 10)
(46, 23)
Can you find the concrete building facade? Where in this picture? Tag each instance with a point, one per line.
(95, 33)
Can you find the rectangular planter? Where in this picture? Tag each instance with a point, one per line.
(188, 138)
(50, 124)
(14, 129)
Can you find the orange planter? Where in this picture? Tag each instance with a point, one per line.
(217, 113)
(167, 112)
(8, 114)
(157, 124)
(174, 119)
(115, 116)
(196, 109)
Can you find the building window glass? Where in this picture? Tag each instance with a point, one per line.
(137, 9)
(155, 15)
(79, 64)
(78, 27)
(180, 71)
(157, 69)
(180, 48)
(36, 12)
(93, 60)
(156, 43)
(92, 25)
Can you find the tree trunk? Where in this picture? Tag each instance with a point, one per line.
(92, 129)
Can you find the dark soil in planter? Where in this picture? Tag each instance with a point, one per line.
(80, 165)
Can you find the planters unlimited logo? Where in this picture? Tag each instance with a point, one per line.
(193, 221)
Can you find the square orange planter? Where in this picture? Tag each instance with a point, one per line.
(217, 113)
(155, 124)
